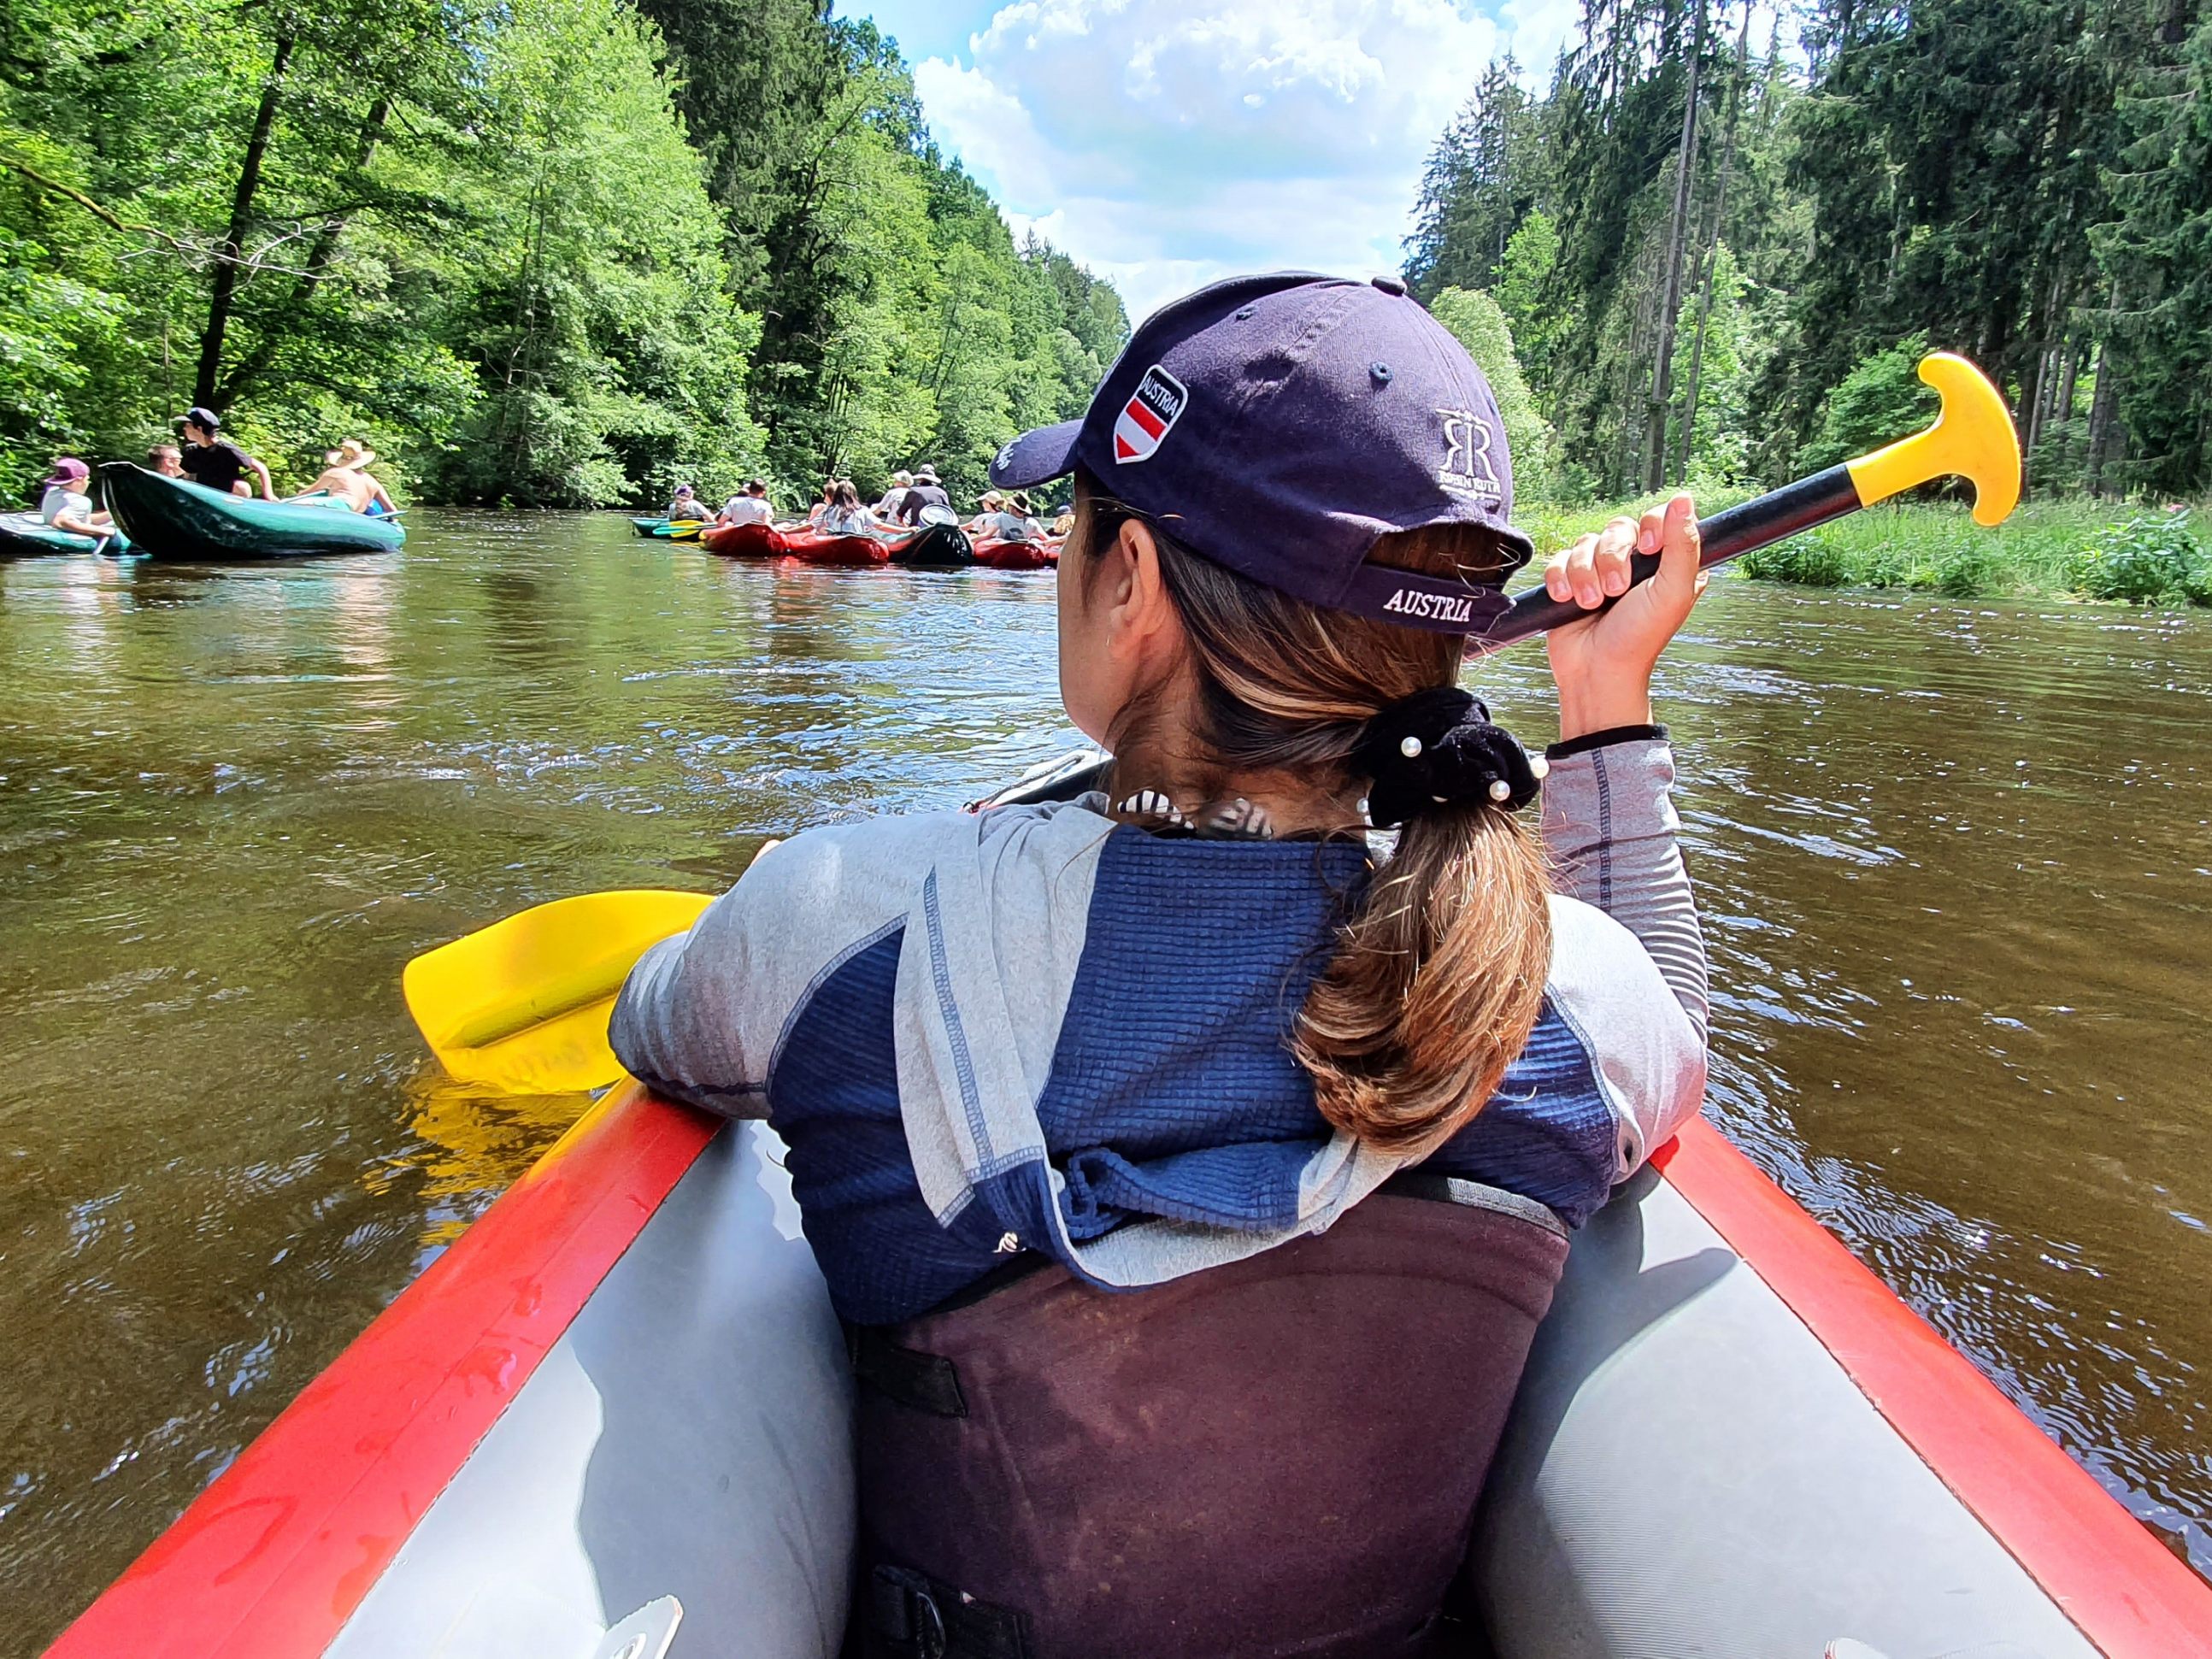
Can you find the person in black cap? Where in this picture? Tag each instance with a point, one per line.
(213, 461)
(1298, 1030)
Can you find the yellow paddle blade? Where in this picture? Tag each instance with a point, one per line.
(522, 1005)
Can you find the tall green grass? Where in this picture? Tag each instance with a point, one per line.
(1553, 527)
(2084, 549)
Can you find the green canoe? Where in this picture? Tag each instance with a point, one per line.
(26, 535)
(670, 530)
(172, 519)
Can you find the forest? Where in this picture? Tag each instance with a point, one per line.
(1722, 237)
(541, 252)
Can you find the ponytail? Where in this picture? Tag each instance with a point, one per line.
(1435, 982)
(1438, 975)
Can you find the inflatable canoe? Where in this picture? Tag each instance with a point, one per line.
(175, 519)
(613, 1421)
(670, 530)
(810, 546)
(1016, 555)
(26, 535)
(937, 546)
(743, 541)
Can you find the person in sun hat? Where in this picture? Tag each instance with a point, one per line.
(887, 506)
(212, 461)
(65, 500)
(988, 507)
(1191, 1162)
(1014, 521)
(927, 492)
(345, 477)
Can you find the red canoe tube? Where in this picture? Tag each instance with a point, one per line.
(744, 541)
(277, 1554)
(813, 547)
(1016, 555)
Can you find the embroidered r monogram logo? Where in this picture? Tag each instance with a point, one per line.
(1468, 439)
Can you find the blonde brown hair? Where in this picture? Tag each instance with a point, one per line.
(1437, 974)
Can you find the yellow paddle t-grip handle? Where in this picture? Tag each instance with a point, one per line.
(1972, 438)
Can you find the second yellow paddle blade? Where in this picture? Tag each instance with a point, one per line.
(523, 1004)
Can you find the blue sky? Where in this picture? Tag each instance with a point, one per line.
(1165, 143)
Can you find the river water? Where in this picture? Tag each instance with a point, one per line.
(1956, 865)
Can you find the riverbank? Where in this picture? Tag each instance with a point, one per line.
(2111, 551)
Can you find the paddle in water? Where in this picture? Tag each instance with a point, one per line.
(523, 1004)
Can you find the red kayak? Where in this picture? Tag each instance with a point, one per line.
(1016, 555)
(813, 547)
(744, 541)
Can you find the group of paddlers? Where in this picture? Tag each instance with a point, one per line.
(912, 499)
(207, 458)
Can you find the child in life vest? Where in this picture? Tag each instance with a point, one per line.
(1192, 1162)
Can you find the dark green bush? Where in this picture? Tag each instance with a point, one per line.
(2145, 560)
(1966, 572)
(1878, 401)
(1809, 561)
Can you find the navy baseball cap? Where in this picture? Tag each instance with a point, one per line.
(1280, 425)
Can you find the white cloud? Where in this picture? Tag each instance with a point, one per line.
(1166, 143)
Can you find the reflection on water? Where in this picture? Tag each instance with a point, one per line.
(463, 1148)
(1954, 861)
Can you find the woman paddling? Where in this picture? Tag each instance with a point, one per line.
(1329, 1106)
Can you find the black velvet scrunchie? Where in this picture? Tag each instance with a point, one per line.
(1438, 747)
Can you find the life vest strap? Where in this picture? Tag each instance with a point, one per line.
(905, 1377)
(912, 1615)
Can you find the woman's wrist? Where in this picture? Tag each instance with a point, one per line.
(1585, 709)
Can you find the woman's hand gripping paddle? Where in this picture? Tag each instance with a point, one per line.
(1972, 438)
(522, 1006)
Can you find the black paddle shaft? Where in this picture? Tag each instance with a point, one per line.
(1729, 534)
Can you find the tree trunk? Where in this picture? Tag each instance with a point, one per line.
(224, 291)
(2031, 403)
(2100, 417)
(1713, 241)
(1663, 364)
(255, 362)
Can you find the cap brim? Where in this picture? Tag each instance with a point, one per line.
(1037, 457)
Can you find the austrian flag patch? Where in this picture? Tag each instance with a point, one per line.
(1155, 406)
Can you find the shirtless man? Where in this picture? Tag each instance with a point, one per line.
(345, 476)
